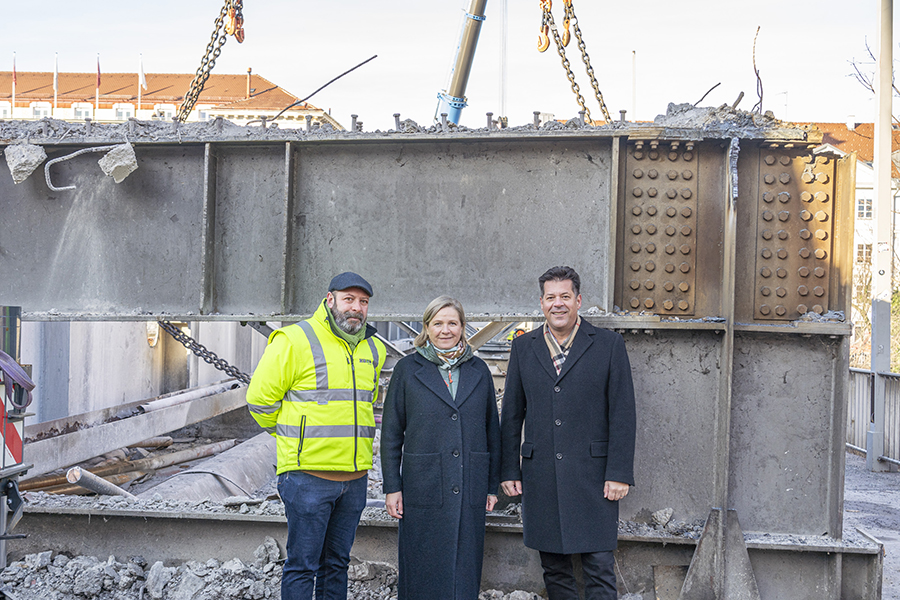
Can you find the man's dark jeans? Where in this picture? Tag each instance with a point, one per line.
(322, 517)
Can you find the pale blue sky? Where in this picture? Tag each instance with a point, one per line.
(683, 48)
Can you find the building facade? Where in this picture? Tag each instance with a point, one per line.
(117, 97)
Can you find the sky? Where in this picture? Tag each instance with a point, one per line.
(677, 50)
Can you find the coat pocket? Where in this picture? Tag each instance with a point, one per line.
(477, 475)
(422, 480)
(527, 449)
(599, 449)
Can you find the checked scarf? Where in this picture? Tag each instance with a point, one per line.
(559, 352)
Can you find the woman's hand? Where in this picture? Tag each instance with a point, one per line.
(393, 502)
(491, 501)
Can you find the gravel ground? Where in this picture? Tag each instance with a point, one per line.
(872, 504)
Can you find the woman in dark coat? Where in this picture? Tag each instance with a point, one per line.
(440, 454)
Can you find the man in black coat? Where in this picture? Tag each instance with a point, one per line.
(570, 384)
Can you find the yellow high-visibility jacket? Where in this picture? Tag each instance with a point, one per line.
(316, 396)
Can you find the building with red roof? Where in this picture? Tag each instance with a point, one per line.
(238, 98)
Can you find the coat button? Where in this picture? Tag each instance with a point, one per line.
(556, 389)
(558, 422)
(456, 453)
(558, 456)
(454, 416)
(455, 490)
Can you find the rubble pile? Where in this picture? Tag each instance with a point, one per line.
(724, 121)
(721, 121)
(47, 577)
(43, 576)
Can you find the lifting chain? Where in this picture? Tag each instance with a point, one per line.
(548, 26)
(229, 22)
(203, 352)
(570, 16)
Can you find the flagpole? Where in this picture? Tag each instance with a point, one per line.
(55, 81)
(97, 93)
(140, 76)
(12, 112)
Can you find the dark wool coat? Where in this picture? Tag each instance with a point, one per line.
(579, 433)
(444, 455)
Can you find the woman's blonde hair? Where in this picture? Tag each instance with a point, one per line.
(433, 308)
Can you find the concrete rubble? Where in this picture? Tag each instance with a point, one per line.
(43, 576)
(119, 162)
(722, 121)
(23, 159)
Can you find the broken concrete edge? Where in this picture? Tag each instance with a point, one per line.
(753, 540)
(681, 121)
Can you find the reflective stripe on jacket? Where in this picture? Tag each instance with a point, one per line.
(316, 397)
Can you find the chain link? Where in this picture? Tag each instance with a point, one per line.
(547, 19)
(213, 50)
(203, 352)
(570, 16)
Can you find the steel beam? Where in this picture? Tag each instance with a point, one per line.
(71, 448)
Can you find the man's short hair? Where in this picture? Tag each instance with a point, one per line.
(561, 274)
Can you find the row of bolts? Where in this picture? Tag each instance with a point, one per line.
(355, 125)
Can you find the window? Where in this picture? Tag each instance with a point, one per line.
(39, 110)
(83, 110)
(124, 111)
(864, 253)
(864, 207)
(164, 111)
(5, 110)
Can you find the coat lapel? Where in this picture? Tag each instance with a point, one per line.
(430, 377)
(469, 377)
(583, 340)
(542, 352)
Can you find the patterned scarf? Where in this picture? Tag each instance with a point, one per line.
(559, 352)
(447, 361)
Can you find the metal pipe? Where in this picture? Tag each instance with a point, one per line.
(185, 397)
(118, 479)
(882, 217)
(855, 448)
(453, 99)
(154, 442)
(151, 463)
(888, 460)
(88, 480)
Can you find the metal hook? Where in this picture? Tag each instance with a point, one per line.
(544, 35)
(544, 38)
(566, 36)
(49, 163)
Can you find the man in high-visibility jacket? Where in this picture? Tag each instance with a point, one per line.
(314, 390)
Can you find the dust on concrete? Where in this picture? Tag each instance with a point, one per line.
(722, 121)
(725, 121)
(872, 506)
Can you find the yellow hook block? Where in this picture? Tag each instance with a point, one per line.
(544, 38)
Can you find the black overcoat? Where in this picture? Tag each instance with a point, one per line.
(444, 455)
(579, 433)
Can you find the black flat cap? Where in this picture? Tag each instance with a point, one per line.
(349, 280)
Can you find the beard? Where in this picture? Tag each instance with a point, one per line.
(342, 320)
